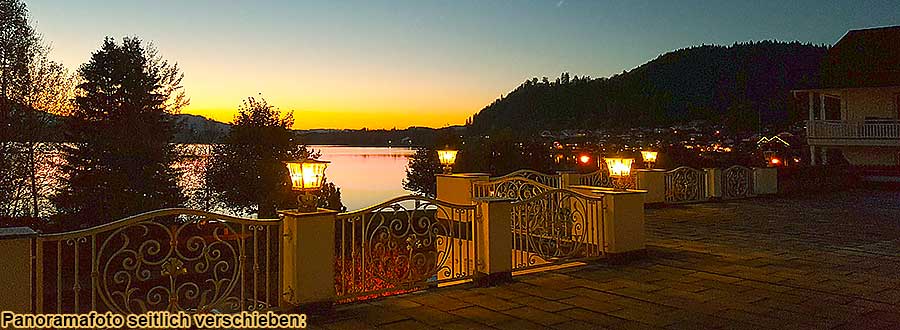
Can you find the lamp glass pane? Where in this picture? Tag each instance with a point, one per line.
(447, 157)
(619, 167)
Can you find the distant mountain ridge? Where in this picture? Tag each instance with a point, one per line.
(198, 129)
(737, 85)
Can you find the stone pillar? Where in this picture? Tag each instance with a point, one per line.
(812, 155)
(812, 114)
(713, 182)
(566, 179)
(654, 182)
(15, 260)
(494, 240)
(765, 180)
(307, 256)
(623, 220)
(457, 188)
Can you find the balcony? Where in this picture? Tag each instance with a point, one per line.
(867, 133)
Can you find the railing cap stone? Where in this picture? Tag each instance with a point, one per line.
(17, 232)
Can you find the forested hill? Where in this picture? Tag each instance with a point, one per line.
(729, 84)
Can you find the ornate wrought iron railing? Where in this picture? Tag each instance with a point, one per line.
(556, 226)
(164, 260)
(685, 185)
(517, 188)
(737, 182)
(404, 244)
(545, 179)
(601, 178)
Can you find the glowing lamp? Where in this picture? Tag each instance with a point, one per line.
(307, 176)
(584, 159)
(649, 158)
(619, 167)
(775, 161)
(447, 158)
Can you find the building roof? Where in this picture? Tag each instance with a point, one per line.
(864, 58)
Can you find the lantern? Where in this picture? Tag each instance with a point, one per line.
(307, 176)
(649, 158)
(447, 158)
(619, 167)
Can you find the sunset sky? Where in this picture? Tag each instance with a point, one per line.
(384, 64)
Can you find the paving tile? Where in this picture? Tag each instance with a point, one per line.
(591, 304)
(543, 304)
(491, 302)
(576, 325)
(429, 315)
(438, 301)
(463, 325)
(519, 324)
(404, 325)
(536, 315)
(481, 315)
(588, 316)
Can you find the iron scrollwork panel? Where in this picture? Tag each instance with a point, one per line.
(552, 181)
(685, 184)
(738, 182)
(167, 260)
(554, 226)
(513, 188)
(403, 244)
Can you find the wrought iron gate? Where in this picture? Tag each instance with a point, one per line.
(165, 260)
(545, 179)
(737, 182)
(403, 244)
(556, 226)
(516, 188)
(685, 185)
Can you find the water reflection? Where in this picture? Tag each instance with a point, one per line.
(366, 176)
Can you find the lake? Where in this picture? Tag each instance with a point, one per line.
(366, 175)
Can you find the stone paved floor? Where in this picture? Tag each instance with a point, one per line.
(816, 262)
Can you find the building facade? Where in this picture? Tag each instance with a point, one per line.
(854, 114)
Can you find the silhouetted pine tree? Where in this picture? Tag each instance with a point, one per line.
(421, 171)
(120, 161)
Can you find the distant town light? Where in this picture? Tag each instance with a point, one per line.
(775, 161)
(447, 158)
(619, 167)
(584, 159)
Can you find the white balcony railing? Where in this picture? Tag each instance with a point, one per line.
(869, 129)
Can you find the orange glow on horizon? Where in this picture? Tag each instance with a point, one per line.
(353, 119)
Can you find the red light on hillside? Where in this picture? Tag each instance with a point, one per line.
(584, 159)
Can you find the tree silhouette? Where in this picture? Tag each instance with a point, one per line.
(421, 172)
(121, 160)
(247, 172)
(33, 89)
(697, 83)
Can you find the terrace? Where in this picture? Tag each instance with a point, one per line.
(755, 263)
(526, 249)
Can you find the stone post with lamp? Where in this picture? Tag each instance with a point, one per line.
(650, 179)
(623, 212)
(620, 172)
(307, 253)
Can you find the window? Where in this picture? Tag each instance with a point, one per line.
(832, 108)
